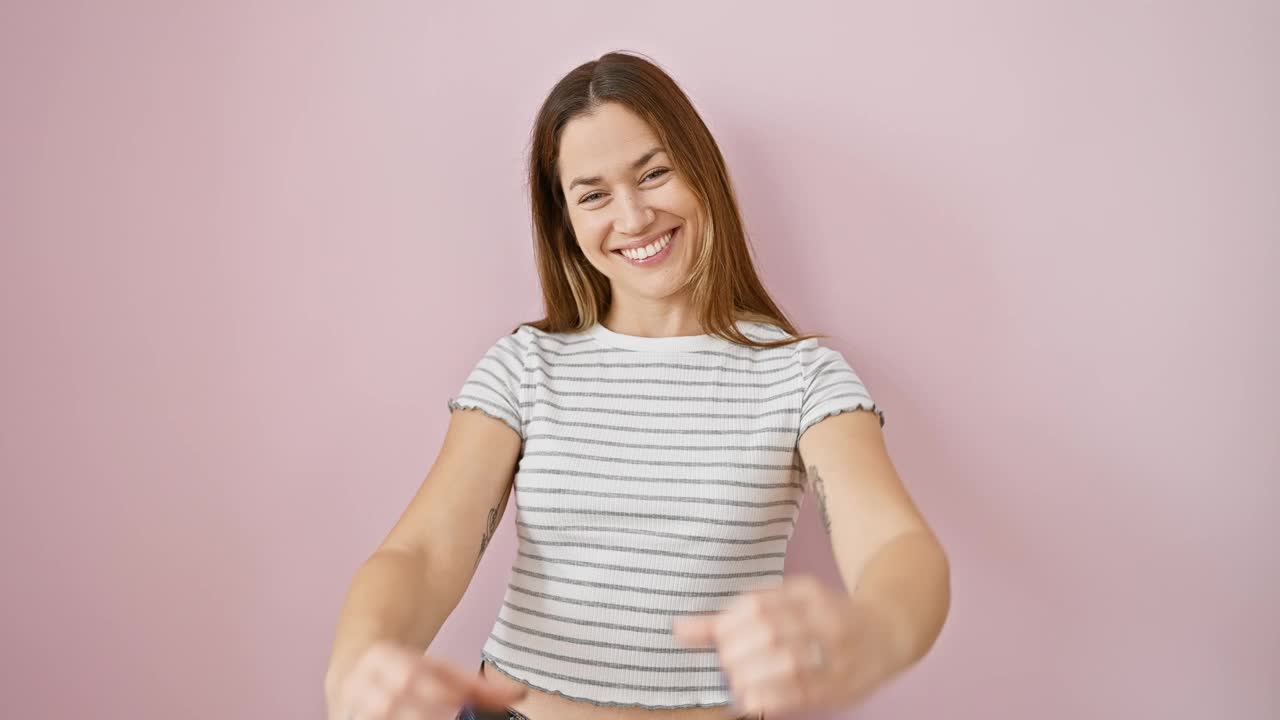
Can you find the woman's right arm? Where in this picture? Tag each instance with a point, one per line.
(406, 589)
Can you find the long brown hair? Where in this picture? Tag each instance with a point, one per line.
(723, 281)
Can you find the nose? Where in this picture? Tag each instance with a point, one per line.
(635, 215)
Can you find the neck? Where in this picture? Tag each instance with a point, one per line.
(648, 318)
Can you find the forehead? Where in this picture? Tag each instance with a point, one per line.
(604, 142)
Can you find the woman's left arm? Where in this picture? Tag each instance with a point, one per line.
(889, 558)
(803, 644)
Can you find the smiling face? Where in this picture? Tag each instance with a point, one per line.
(633, 215)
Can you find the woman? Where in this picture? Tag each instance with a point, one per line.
(656, 426)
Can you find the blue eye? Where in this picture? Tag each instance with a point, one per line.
(657, 173)
(589, 197)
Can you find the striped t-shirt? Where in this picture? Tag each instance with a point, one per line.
(658, 478)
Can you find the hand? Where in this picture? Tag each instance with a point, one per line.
(797, 645)
(389, 682)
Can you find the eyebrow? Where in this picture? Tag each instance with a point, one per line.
(595, 179)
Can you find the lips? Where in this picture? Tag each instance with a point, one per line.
(641, 252)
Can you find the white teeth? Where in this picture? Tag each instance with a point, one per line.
(649, 250)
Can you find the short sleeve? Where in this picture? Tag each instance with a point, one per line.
(493, 386)
(831, 386)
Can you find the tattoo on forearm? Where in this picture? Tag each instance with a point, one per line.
(491, 526)
(815, 482)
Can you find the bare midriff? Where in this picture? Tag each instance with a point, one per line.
(539, 705)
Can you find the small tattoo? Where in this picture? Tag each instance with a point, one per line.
(815, 482)
(491, 527)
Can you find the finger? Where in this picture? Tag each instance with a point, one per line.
(757, 624)
(479, 689)
(388, 666)
(415, 696)
(767, 635)
(360, 678)
(417, 709)
(406, 685)
(367, 687)
(488, 693)
(773, 683)
(746, 610)
(805, 586)
(781, 666)
(698, 631)
(772, 699)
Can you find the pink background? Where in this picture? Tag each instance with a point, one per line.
(249, 250)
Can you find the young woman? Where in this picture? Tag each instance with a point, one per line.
(659, 427)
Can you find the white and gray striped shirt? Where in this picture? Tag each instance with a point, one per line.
(658, 478)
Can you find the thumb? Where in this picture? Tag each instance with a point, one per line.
(481, 690)
(488, 692)
(695, 631)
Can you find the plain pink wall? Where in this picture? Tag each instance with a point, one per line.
(250, 248)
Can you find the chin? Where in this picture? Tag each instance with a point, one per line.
(656, 291)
